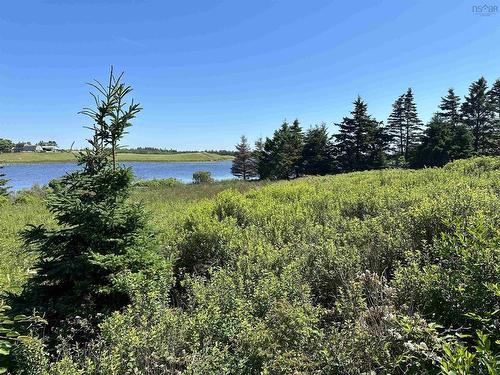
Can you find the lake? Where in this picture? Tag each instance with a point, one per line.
(24, 176)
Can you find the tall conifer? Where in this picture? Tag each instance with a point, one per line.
(244, 165)
(99, 242)
(359, 143)
(317, 153)
(477, 115)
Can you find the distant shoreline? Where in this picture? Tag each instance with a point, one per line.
(67, 157)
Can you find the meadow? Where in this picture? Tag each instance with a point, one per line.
(61, 157)
(380, 272)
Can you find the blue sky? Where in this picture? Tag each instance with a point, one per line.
(208, 71)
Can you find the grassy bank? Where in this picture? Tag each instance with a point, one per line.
(67, 157)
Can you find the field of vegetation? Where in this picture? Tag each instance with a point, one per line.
(380, 272)
(66, 157)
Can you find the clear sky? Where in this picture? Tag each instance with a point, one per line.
(207, 71)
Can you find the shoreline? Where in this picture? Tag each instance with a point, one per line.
(66, 158)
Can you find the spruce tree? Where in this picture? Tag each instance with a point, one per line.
(450, 108)
(100, 235)
(280, 152)
(404, 125)
(477, 115)
(4, 190)
(261, 159)
(434, 149)
(279, 157)
(396, 126)
(244, 163)
(295, 146)
(360, 142)
(412, 124)
(317, 153)
(494, 104)
(459, 138)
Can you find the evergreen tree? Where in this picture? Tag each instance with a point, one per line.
(261, 159)
(412, 123)
(404, 125)
(243, 163)
(459, 144)
(396, 126)
(279, 149)
(494, 104)
(360, 142)
(317, 153)
(3, 182)
(279, 157)
(295, 146)
(450, 108)
(434, 150)
(99, 242)
(462, 141)
(477, 115)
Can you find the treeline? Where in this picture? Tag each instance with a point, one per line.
(459, 129)
(156, 150)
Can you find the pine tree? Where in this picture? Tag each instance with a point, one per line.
(477, 115)
(4, 190)
(360, 142)
(317, 153)
(279, 157)
(412, 123)
(295, 146)
(404, 125)
(459, 138)
(261, 159)
(494, 104)
(434, 149)
(244, 164)
(100, 235)
(280, 150)
(450, 108)
(396, 126)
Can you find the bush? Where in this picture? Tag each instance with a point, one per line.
(202, 177)
(383, 272)
(158, 183)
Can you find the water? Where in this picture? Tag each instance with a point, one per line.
(24, 176)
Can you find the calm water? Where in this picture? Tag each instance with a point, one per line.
(23, 176)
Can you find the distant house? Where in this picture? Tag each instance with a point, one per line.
(27, 147)
(50, 148)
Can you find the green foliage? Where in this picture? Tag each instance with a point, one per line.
(280, 157)
(100, 236)
(477, 115)
(4, 190)
(361, 141)
(404, 125)
(158, 183)
(443, 142)
(317, 153)
(5, 145)
(202, 177)
(10, 338)
(244, 164)
(384, 272)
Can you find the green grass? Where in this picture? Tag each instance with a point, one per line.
(67, 157)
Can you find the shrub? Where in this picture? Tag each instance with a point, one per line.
(202, 177)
